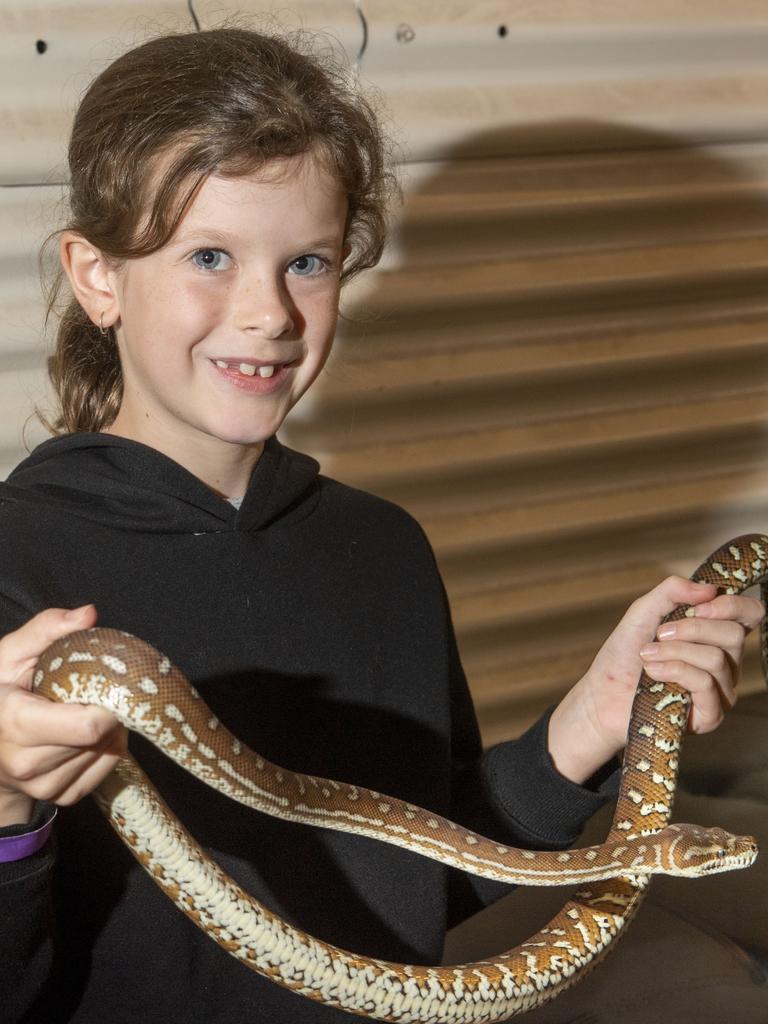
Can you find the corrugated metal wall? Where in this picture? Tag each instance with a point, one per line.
(561, 366)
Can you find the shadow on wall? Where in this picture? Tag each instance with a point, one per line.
(561, 369)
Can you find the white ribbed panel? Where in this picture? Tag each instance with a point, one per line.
(561, 367)
(448, 67)
(39, 90)
(25, 212)
(339, 20)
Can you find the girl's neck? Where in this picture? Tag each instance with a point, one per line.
(224, 468)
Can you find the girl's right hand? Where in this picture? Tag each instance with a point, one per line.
(48, 751)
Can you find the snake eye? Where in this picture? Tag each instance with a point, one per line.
(721, 853)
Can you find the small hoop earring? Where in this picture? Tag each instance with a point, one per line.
(101, 326)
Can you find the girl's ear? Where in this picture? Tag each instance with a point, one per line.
(91, 278)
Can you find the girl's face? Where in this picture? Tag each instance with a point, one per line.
(223, 329)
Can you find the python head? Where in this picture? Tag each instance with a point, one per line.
(695, 851)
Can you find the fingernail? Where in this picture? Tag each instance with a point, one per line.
(666, 631)
(649, 650)
(76, 613)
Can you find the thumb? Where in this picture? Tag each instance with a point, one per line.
(20, 650)
(670, 594)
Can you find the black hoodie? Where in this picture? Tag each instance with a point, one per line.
(314, 622)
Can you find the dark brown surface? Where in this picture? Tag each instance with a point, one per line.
(698, 951)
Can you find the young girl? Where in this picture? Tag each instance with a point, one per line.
(223, 184)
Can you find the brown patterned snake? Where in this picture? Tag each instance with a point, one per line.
(140, 686)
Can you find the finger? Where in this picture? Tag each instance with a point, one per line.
(747, 611)
(714, 661)
(76, 778)
(20, 649)
(708, 702)
(722, 633)
(88, 779)
(23, 764)
(666, 597)
(33, 721)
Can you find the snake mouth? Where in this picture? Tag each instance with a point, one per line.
(732, 861)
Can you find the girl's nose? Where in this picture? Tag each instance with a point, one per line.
(265, 308)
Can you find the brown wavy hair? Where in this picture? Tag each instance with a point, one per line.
(225, 100)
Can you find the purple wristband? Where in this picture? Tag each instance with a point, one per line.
(18, 847)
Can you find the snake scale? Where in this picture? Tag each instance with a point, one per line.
(150, 696)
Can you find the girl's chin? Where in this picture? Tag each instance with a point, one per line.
(243, 440)
(248, 437)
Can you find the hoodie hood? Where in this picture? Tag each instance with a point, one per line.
(128, 485)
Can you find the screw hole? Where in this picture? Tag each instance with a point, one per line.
(41, 46)
(501, 31)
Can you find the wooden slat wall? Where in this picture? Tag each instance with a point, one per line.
(561, 367)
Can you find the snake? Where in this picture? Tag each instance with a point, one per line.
(149, 695)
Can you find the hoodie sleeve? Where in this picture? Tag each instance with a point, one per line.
(512, 791)
(25, 933)
(25, 898)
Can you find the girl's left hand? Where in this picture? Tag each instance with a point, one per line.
(701, 653)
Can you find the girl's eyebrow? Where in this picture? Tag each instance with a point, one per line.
(202, 233)
(322, 243)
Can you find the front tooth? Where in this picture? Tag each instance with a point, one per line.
(266, 371)
(247, 368)
(222, 364)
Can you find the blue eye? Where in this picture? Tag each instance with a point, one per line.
(209, 264)
(308, 266)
